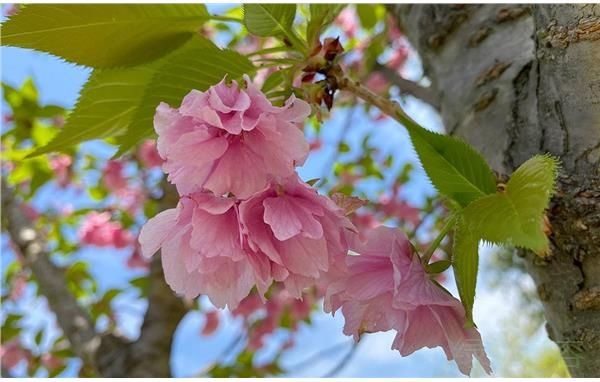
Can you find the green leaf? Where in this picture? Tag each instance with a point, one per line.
(438, 266)
(104, 35)
(515, 216)
(122, 102)
(321, 15)
(266, 20)
(455, 168)
(198, 65)
(106, 106)
(367, 15)
(465, 263)
(273, 80)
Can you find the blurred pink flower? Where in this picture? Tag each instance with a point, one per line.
(97, 229)
(51, 362)
(12, 353)
(136, 261)
(347, 21)
(394, 33)
(148, 154)
(386, 288)
(230, 140)
(211, 323)
(11, 10)
(398, 58)
(29, 211)
(377, 83)
(18, 287)
(399, 209)
(112, 176)
(315, 144)
(61, 165)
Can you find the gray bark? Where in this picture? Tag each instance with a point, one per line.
(514, 81)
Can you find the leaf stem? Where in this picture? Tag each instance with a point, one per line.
(436, 243)
(389, 107)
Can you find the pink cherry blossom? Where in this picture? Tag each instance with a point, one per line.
(18, 286)
(299, 232)
(112, 176)
(30, 211)
(51, 362)
(136, 261)
(97, 229)
(377, 83)
(61, 165)
(386, 287)
(202, 250)
(398, 58)
(12, 353)
(148, 154)
(211, 323)
(399, 209)
(230, 140)
(347, 21)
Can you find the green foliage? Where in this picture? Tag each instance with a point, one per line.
(515, 216)
(106, 106)
(122, 102)
(321, 15)
(369, 14)
(266, 20)
(455, 168)
(104, 35)
(511, 217)
(465, 262)
(198, 65)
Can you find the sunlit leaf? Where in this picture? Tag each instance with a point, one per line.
(104, 35)
(515, 216)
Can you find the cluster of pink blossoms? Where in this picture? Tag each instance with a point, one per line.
(245, 220)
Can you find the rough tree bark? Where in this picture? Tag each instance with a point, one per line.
(514, 81)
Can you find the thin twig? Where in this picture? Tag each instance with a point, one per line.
(317, 356)
(343, 362)
(408, 87)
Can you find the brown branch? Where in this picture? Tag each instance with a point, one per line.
(408, 87)
(71, 317)
(387, 106)
(151, 352)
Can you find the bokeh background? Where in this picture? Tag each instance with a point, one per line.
(506, 310)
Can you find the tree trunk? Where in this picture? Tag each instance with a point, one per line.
(514, 81)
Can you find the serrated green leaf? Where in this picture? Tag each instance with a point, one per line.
(455, 168)
(515, 216)
(122, 102)
(106, 106)
(198, 65)
(104, 35)
(266, 20)
(465, 263)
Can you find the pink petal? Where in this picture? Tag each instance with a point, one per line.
(156, 231)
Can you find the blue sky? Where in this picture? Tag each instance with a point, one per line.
(59, 83)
